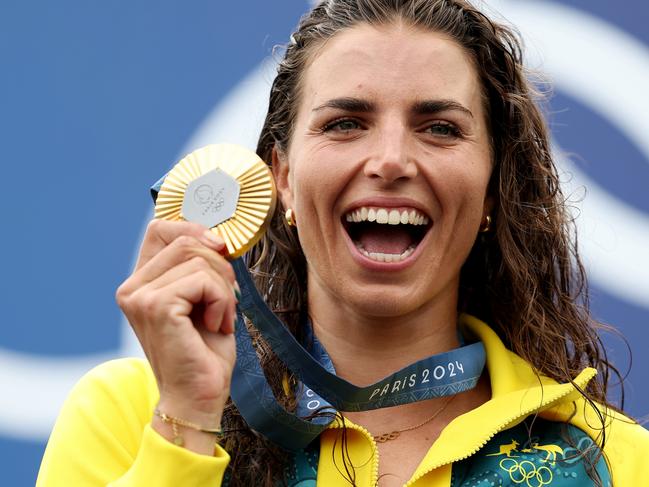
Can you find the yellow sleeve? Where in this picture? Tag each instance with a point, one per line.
(103, 437)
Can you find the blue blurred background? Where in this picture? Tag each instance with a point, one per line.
(98, 99)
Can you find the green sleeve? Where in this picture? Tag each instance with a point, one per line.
(103, 437)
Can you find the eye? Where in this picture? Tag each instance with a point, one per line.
(341, 125)
(443, 129)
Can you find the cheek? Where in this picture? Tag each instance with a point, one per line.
(319, 176)
(462, 185)
(312, 198)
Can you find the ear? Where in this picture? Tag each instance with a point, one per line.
(282, 176)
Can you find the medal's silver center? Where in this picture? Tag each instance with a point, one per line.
(211, 198)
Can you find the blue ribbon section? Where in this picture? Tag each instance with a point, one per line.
(257, 404)
(436, 376)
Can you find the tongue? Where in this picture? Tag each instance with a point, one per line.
(388, 239)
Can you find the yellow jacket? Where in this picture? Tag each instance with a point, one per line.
(103, 435)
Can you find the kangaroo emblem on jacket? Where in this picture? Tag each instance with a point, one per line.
(551, 450)
(506, 449)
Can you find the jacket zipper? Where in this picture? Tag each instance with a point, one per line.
(375, 450)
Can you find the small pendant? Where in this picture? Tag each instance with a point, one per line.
(387, 437)
(179, 441)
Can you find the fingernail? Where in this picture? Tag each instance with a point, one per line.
(213, 239)
(237, 291)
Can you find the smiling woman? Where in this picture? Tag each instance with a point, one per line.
(372, 132)
(420, 211)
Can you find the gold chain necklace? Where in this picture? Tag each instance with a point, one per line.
(393, 435)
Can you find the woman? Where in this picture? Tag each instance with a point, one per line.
(418, 194)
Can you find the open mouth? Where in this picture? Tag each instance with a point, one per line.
(386, 234)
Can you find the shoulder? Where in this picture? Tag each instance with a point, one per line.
(104, 416)
(118, 390)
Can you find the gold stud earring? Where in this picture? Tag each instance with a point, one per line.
(485, 226)
(290, 217)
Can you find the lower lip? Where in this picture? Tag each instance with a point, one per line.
(375, 265)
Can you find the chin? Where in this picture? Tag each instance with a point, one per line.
(387, 303)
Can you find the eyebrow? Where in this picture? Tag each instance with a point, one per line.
(429, 107)
(348, 104)
(424, 107)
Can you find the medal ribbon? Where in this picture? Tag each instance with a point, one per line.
(436, 376)
(257, 404)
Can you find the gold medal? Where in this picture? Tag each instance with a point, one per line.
(224, 187)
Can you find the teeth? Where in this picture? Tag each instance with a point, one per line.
(387, 216)
(381, 257)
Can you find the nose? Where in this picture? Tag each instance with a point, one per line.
(391, 160)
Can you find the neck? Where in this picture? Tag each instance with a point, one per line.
(365, 348)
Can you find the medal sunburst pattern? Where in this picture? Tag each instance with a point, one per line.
(257, 194)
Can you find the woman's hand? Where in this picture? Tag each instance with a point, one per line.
(180, 302)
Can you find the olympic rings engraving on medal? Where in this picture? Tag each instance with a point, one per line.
(525, 471)
(209, 202)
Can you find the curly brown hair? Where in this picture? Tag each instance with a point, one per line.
(525, 278)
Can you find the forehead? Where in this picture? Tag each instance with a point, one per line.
(391, 63)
